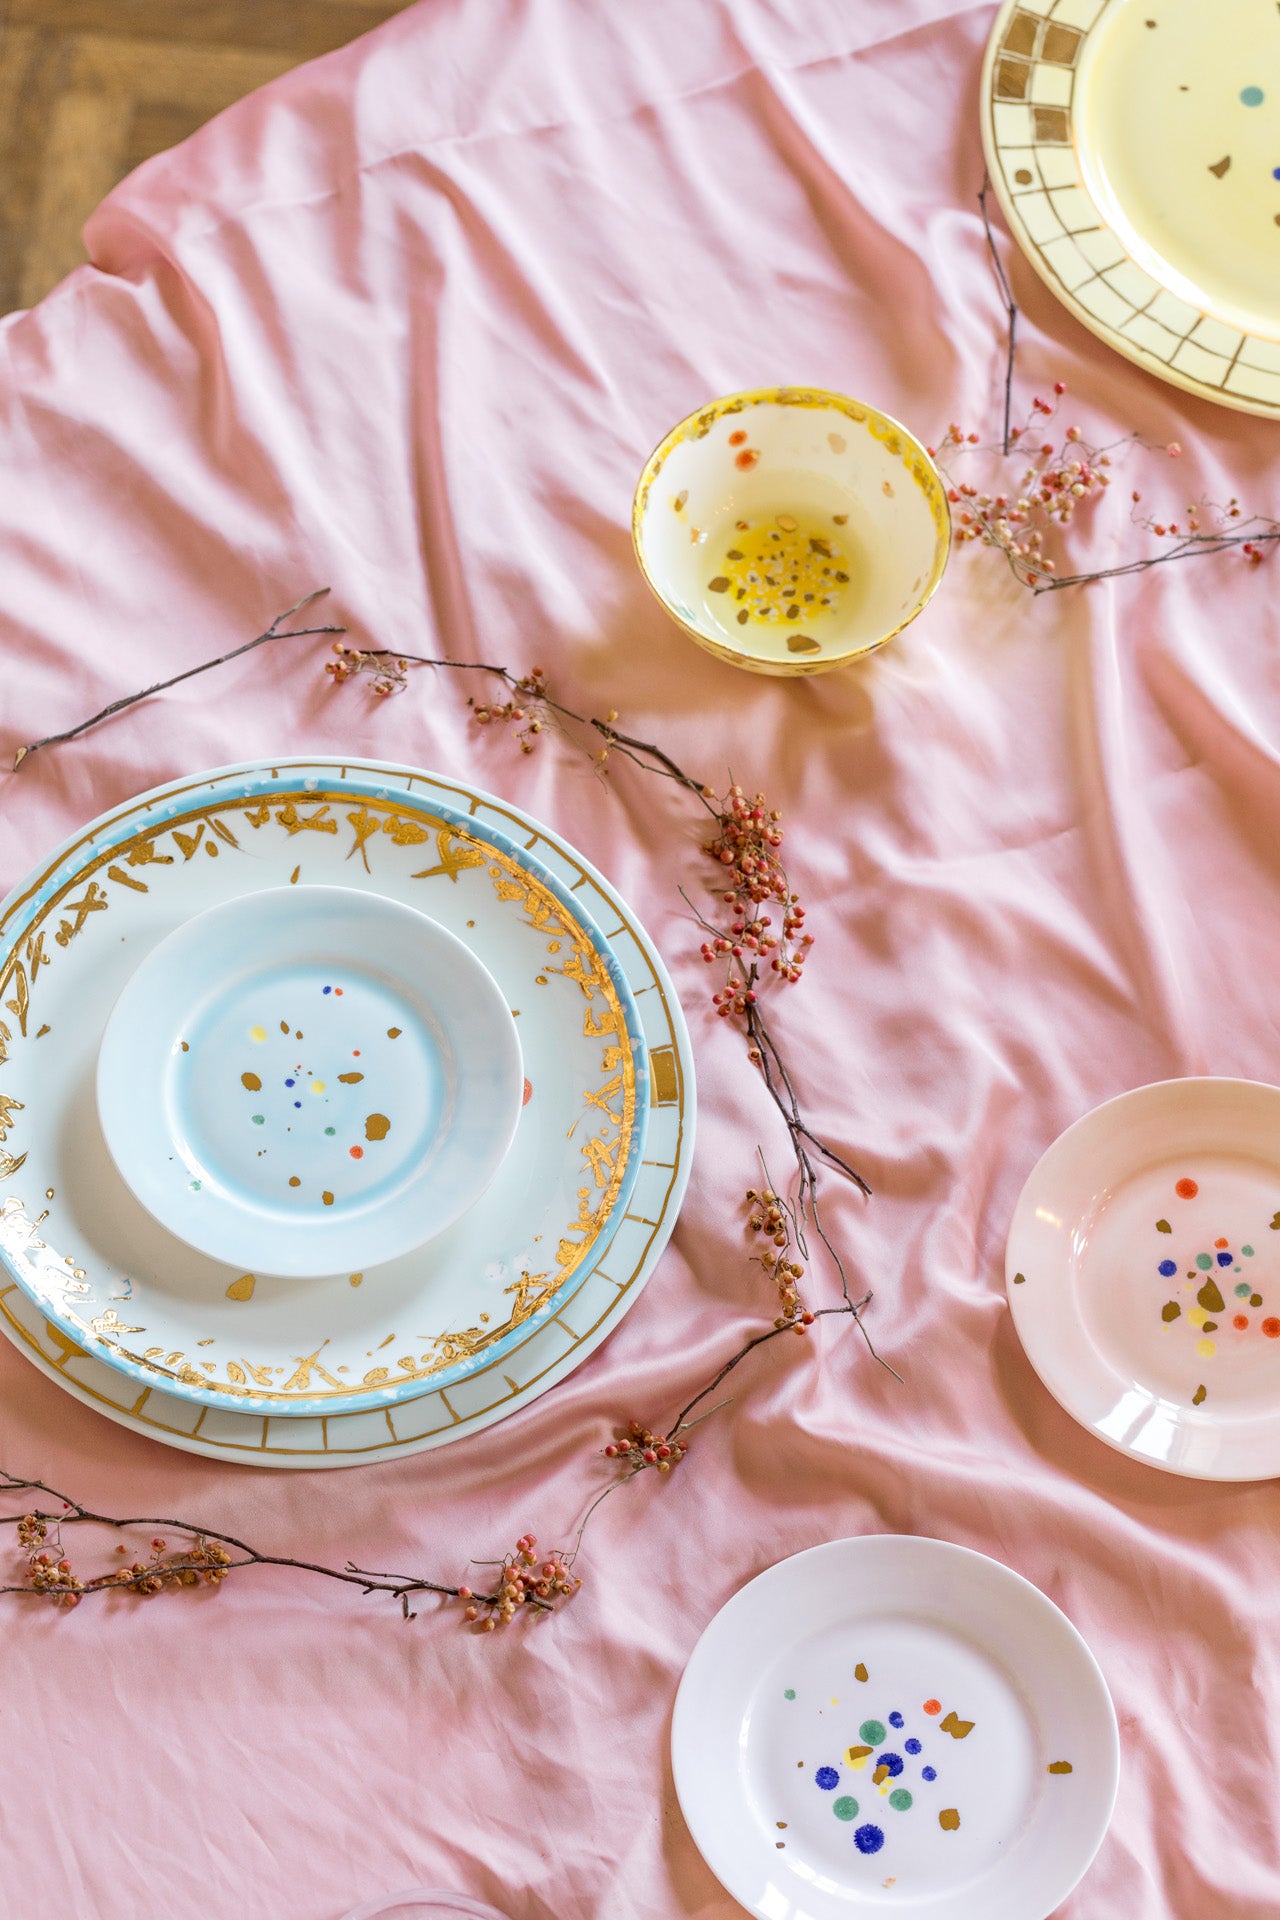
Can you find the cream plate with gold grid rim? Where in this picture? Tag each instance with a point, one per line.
(585, 1313)
(1135, 148)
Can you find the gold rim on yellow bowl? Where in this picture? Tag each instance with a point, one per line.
(882, 427)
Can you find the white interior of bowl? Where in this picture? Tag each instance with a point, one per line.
(852, 530)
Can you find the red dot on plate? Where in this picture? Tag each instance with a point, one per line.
(357, 1153)
(933, 1706)
(1271, 1327)
(1240, 1322)
(1186, 1189)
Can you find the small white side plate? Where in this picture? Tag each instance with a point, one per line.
(309, 1078)
(1143, 1271)
(894, 1724)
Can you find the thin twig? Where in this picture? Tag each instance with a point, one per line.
(161, 686)
(1010, 307)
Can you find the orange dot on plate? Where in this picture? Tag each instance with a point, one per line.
(738, 439)
(528, 1090)
(1186, 1189)
(1219, 1243)
(1240, 1322)
(1271, 1327)
(357, 1153)
(933, 1706)
(745, 460)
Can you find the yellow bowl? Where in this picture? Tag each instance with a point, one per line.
(789, 530)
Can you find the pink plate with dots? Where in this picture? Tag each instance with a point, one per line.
(1143, 1271)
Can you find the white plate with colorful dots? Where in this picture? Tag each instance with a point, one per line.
(894, 1724)
(308, 1078)
(1143, 1271)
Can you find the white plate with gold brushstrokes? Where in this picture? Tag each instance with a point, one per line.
(1135, 148)
(1143, 1271)
(104, 1279)
(890, 1723)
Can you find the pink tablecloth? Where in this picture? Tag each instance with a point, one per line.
(406, 324)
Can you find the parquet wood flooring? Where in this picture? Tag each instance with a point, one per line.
(91, 88)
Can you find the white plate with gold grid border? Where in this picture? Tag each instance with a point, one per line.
(1135, 149)
(553, 1349)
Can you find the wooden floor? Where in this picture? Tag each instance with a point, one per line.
(89, 88)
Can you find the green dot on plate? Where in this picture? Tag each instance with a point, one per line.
(845, 1808)
(900, 1799)
(1252, 96)
(1204, 1261)
(790, 1696)
(872, 1731)
(195, 1186)
(1243, 1290)
(790, 1693)
(258, 1119)
(1247, 1252)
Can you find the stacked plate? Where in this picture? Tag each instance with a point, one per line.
(343, 1110)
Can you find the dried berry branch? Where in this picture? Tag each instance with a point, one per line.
(1057, 478)
(273, 632)
(525, 1582)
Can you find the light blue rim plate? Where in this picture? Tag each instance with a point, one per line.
(283, 775)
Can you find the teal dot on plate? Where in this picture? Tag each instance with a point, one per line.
(790, 1693)
(899, 1799)
(1252, 96)
(790, 1696)
(872, 1731)
(1243, 1290)
(845, 1808)
(1204, 1261)
(259, 1119)
(1247, 1252)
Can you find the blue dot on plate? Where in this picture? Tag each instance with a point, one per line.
(928, 1773)
(827, 1778)
(895, 1719)
(297, 1103)
(326, 989)
(868, 1839)
(291, 1083)
(1252, 96)
(894, 1762)
(1226, 1259)
(913, 1746)
(1168, 1268)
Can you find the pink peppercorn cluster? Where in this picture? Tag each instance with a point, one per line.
(47, 1572)
(50, 1572)
(1051, 487)
(769, 1217)
(389, 674)
(524, 1583)
(531, 694)
(640, 1448)
(746, 846)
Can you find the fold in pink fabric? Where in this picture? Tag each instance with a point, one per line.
(406, 324)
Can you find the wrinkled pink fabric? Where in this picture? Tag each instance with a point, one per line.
(406, 324)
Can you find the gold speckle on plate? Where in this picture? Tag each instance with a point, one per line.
(1220, 167)
(355, 1279)
(327, 1198)
(376, 1126)
(949, 1819)
(802, 642)
(242, 1289)
(294, 1180)
(837, 442)
(251, 1081)
(786, 522)
(1059, 1766)
(720, 584)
